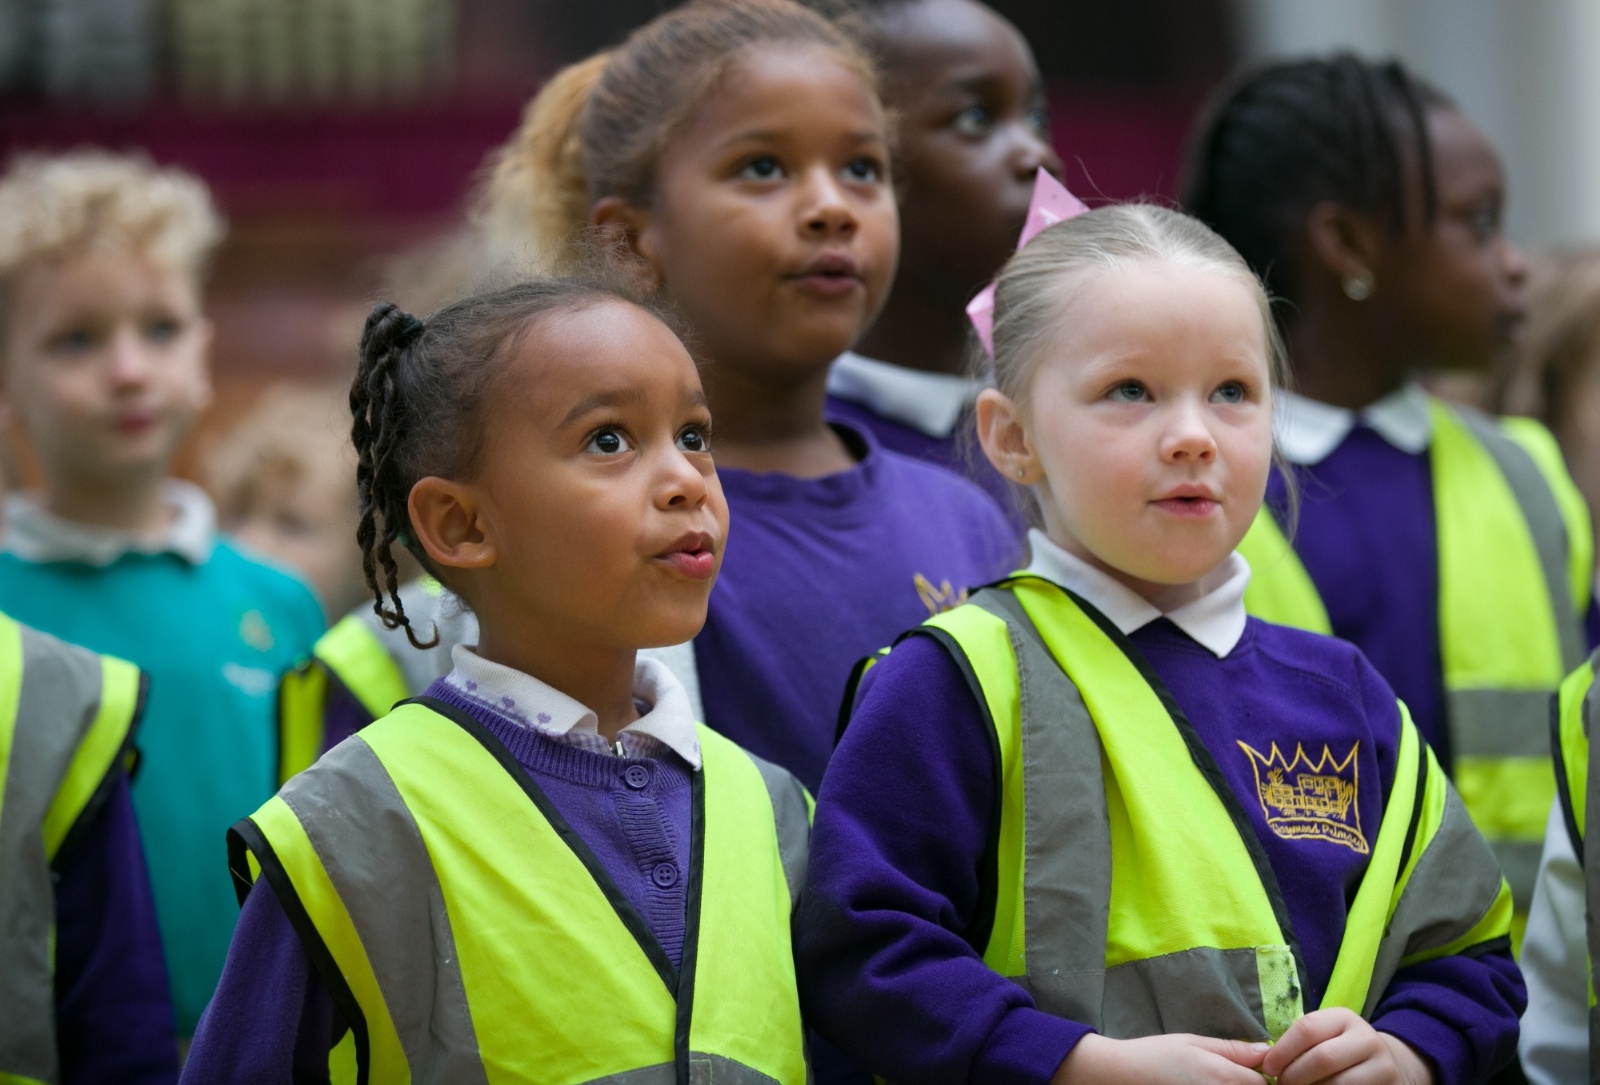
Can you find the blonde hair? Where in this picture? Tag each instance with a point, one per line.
(57, 205)
(1034, 284)
(598, 128)
(294, 431)
(1560, 342)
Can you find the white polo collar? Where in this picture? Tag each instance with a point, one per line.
(1308, 431)
(34, 534)
(930, 403)
(541, 707)
(1216, 620)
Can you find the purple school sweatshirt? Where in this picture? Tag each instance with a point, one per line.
(114, 1023)
(959, 452)
(820, 572)
(885, 971)
(272, 1020)
(1367, 538)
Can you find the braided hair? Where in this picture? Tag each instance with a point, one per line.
(416, 406)
(1278, 140)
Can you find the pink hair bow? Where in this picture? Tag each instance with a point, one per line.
(1051, 203)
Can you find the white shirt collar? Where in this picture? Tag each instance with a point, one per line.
(1216, 620)
(1308, 431)
(543, 708)
(34, 534)
(930, 403)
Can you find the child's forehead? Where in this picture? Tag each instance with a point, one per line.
(101, 274)
(924, 39)
(768, 74)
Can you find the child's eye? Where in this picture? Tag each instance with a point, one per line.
(162, 330)
(1038, 122)
(73, 341)
(867, 171)
(1485, 223)
(1128, 392)
(694, 439)
(974, 121)
(608, 442)
(761, 168)
(1231, 392)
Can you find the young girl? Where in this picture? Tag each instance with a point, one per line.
(738, 149)
(1097, 825)
(543, 869)
(1453, 550)
(972, 133)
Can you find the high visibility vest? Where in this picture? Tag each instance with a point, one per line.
(376, 666)
(1516, 564)
(66, 727)
(469, 935)
(1128, 889)
(1574, 759)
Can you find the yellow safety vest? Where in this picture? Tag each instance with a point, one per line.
(474, 938)
(67, 718)
(1516, 561)
(1129, 890)
(1574, 758)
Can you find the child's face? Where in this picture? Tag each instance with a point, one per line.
(106, 363)
(773, 227)
(1148, 424)
(304, 516)
(1455, 288)
(973, 133)
(597, 486)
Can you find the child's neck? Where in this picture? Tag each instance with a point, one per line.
(915, 333)
(600, 679)
(1341, 362)
(767, 425)
(132, 504)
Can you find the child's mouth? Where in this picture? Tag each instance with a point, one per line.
(1188, 508)
(692, 556)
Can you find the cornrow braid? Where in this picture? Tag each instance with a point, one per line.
(1278, 140)
(416, 404)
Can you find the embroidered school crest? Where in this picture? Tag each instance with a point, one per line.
(1304, 799)
(938, 598)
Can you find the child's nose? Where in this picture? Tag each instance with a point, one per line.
(827, 209)
(683, 484)
(129, 359)
(1188, 437)
(1030, 152)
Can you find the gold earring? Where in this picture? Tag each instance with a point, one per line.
(1021, 471)
(1358, 287)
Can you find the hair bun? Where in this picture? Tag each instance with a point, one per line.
(389, 329)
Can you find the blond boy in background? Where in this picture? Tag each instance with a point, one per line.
(104, 348)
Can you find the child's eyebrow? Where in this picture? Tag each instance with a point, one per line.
(612, 398)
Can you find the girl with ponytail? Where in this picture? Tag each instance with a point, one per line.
(520, 874)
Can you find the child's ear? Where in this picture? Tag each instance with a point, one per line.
(1005, 438)
(1346, 243)
(445, 516)
(621, 221)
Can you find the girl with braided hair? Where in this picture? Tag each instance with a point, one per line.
(543, 868)
(1452, 548)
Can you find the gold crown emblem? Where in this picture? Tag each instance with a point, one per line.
(938, 598)
(1302, 798)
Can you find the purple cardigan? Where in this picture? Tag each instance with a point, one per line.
(886, 973)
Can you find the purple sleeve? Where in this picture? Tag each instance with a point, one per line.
(270, 1020)
(342, 716)
(113, 1010)
(1460, 1013)
(1591, 625)
(902, 822)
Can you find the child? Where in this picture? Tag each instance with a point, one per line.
(84, 986)
(281, 481)
(1454, 551)
(739, 151)
(972, 133)
(105, 366)
(1097, 825)
(605, 886)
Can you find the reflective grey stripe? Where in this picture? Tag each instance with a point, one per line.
(792, 815)
(1499, 722)
(1452, 887)
(367, 841)
(59, 699)
(1549, 528)
(1519, 862)
(703, 1070)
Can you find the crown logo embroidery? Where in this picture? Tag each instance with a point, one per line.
(1304, 799)
(940, 598)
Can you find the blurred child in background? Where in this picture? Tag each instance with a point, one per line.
(105, 352)
(1452, 549)
(544, 869)
(83, 982)
(1097, 825)
(281, 478)
(971, 132)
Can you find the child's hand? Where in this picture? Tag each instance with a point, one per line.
(1338, 1046)
(1179, 1059)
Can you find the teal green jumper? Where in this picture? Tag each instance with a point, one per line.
(213, 638)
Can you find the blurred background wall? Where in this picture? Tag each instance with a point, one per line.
(340, 134)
